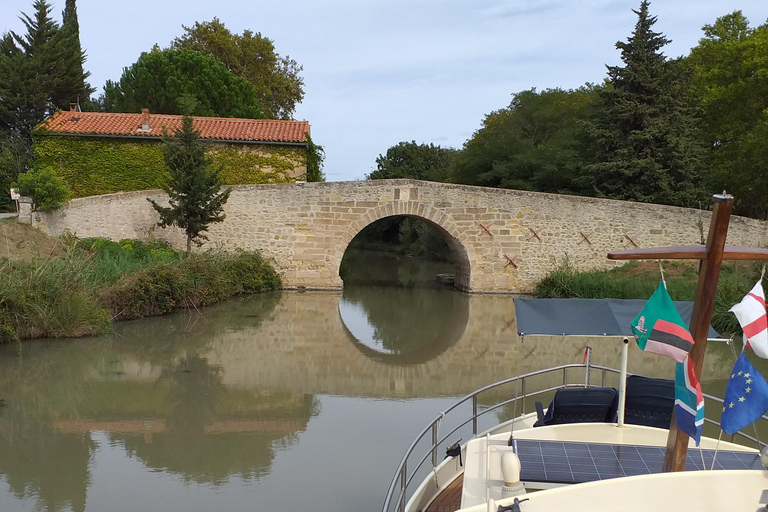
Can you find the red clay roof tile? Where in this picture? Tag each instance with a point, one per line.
(218, 128)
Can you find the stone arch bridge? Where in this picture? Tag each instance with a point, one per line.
(501, 240)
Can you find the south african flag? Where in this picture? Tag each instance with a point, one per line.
(659, 329)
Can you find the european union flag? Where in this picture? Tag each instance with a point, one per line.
(746, 397)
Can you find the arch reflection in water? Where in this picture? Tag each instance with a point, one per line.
(400, 326)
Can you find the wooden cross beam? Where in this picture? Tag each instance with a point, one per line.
(711, 255)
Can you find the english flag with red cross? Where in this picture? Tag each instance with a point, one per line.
(750, 313)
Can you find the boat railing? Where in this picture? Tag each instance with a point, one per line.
(407, 470)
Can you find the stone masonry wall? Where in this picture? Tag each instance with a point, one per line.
(502, 240)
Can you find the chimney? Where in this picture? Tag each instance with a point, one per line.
(73, 107)
(144, 128)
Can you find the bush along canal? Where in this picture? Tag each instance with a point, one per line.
(94, 282)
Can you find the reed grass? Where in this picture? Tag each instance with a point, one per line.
(99, 281)
(638, 281)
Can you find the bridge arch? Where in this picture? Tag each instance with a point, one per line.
(441, 223)
(503, 240)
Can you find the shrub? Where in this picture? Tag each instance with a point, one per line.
(47, 190)
(199, 280)
(629, 282)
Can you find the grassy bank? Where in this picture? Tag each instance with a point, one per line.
(638, 281)
(98, 281)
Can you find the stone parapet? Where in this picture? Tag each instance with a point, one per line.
(502, 240)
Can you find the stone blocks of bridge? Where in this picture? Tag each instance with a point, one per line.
(502, 240)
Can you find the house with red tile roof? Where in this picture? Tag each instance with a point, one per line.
(100, 152)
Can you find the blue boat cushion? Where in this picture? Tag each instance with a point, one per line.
(581, 405)
(649, 401)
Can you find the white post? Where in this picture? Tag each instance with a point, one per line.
(623, 380)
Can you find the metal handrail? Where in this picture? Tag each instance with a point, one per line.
(401, 474)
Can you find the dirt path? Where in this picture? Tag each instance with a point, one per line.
(23, 242)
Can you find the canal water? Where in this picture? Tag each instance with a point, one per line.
(283, 401)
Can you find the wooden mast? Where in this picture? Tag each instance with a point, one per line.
(711, 255)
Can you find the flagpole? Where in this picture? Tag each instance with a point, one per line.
(711, 256)
(701, 316)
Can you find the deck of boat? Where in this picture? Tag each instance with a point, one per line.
(449, 499)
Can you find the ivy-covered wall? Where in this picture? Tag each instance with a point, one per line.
(92, 166)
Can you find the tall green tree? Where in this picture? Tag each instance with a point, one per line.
(533, 144)
(276, 79)
(731, 84)
(181, 82)
(645, 126)
(194, 189)
(40, 71)
(76, 56)
(416, 161)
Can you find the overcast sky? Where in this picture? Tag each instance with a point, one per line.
(380, 72)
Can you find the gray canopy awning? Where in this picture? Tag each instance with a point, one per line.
(586, 317)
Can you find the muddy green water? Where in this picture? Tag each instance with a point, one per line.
(280, 402)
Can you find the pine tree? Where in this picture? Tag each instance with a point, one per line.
(194, 186)
(644, 129)
(40, 72)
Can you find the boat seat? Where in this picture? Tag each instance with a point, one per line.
(649, 401)
(580, 405)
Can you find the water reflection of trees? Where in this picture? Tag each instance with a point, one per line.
(38, 461)
(412, 326)
(369, 268)
(213, 432)
(58, 391)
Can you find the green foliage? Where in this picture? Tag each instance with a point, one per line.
(99, 280)
(409, 236)
(533, 144)
(92, 166)
(252, 56)
(629, 282)
(48, 299)
(645, 128)
(40, 71)
(181, 82)
(244, 166)
(731, 85)
(194, 186)
(200, 280)
(416, 161)
(14, 156)
(115, 260)
(47, 190)
(315, 157)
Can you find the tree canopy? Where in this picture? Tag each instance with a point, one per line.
(251, 56)
(644, 129)
(181, 82)
(194, 189)
(731, 85)
(416, 161)
(533, 144)
(40, 71)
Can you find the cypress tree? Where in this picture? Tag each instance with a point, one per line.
(75, 77)
(194, 186)
(644, 129)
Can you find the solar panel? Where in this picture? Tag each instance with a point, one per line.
(570, 463)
